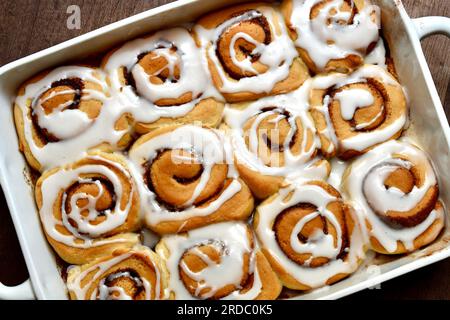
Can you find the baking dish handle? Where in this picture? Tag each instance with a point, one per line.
(427, 26)
(22, 291)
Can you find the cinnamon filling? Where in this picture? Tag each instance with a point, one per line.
(259, 29)
(160, 71)
(128, 280)
(312, 231)
(275, 134)
(105, 200)
(280, 130)
(201, 257)
(157, 66)
(365, 118)
(405, 180)
(174, 174)
(347, 6)
(54, 98)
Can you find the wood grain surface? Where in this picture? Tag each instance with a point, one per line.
(27, 26)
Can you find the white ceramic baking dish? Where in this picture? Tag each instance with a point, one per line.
(429, 124)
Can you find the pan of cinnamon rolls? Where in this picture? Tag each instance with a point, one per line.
(220, 139)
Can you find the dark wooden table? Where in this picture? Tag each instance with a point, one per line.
(27, 26)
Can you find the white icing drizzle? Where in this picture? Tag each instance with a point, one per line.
(74, 121)
(210, 148)
(328, 131)
(377, 55)
(366, 177)
(366, 139)
(322, 246)
(338, 168)
(232, 241)
(118, 293)
(90, 233)
(296, 166)
(352, 99)
(360, 75)
(103, 292)
(314, 35)
(369, 123)
(278, 55)
(141, 104)
(77, 132)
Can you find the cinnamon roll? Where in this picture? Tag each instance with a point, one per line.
(88, 209)
(274, 140)
(356, 112)
(309, 235)
(249, 52)
(136, 274)
(161, 80)
(333, 35)
(220, 261)
(395, 190)
(186, 179)
(62, 113)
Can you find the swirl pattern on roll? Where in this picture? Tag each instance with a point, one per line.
(186, 179)
(89, 208)
(174, 139)
(249, 52)
(333, 35)
(356, 112)
(136, 274)
(62, 113)
(310, 237)
(220, 261)
(274, 140)
(395, 190)
(153, 79)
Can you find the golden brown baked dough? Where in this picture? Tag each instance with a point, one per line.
(382, 119)
(71, 93)
(89, 208)
(273, 141)
(162, 59)
(208, 112)
(348, 62)
(171, 183)
(84, 195)
(427, 237)
(136, 274)
(251, 19)
(309, 245)
(226, 251)
(404, 213)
